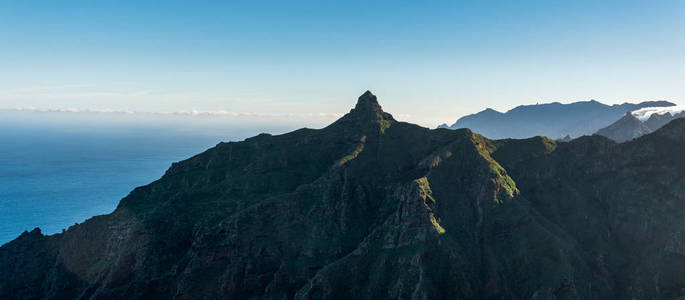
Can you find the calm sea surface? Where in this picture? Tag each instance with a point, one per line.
(54, 178)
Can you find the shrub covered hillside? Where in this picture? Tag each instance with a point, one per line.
(372, 208)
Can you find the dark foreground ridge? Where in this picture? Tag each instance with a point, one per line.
(370, 207)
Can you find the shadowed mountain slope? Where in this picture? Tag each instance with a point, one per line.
(554, 120)
(625, 129)
(369, 207)
(630, 127)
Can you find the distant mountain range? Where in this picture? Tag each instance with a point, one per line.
(553, 120)
(372, 208)
(630, 126)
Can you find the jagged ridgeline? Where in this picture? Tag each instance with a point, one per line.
(630, 127)
(370, 207)
(553, 120)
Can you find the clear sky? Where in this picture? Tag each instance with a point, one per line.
(428, 61)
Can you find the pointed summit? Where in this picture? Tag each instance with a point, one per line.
(629, 117)
(368, 108)
(367, 113)
(626, 128)
(368, 100)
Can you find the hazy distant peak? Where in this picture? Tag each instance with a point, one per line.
(490, 111)
(626, 128)
(660, 103)
(629, 116)
(553, 119)
(659, 116)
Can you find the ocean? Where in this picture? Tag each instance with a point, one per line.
(52, 178)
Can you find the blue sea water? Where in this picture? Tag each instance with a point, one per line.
(52, 178)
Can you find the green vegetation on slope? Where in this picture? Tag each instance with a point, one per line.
(411, 212)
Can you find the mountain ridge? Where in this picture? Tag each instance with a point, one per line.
(554, 120)
(626, 128)
(630, 127)
(408, 211)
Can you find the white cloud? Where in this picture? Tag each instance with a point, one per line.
(644, 113)
(51, 88)
(189, 113)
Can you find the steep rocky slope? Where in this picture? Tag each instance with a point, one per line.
(623, 203)
(369, 207)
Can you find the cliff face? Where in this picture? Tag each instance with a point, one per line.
(369, 207)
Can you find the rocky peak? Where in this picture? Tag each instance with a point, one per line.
(656, 116)
(626, 128)
(368, 101)
(629, 115)
(367, 107)
(367, 112)
(628, 118)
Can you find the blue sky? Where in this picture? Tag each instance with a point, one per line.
(429, 62)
